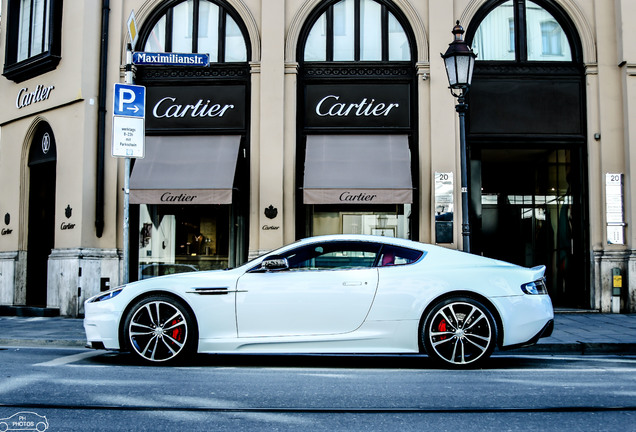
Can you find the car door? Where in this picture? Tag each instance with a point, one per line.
(327, 289)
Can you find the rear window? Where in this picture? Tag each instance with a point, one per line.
(395, 255)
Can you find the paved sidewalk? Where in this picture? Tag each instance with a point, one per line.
(574, 333)
(590, 333)
(41, 331)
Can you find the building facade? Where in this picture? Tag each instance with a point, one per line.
(315, 117)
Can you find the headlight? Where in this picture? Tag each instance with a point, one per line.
(106, 295)
(535, 288)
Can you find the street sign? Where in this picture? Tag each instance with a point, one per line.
(171, 59)
(129, 132)
(132, 29)
(129, 100)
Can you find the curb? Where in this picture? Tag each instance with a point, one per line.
(579, 348)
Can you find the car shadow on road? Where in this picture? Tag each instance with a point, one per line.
(335, 361)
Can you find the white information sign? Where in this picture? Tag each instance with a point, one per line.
(614, 212)
(129, 108)
(444, 192)
(128, 137)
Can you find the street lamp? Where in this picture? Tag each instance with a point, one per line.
(459, 60)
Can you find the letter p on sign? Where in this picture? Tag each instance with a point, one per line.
(129, 100)
(126, 96)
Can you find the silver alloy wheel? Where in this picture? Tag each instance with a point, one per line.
(460, 332)
(157, 330)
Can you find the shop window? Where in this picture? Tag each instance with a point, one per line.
(357, 30)
(178, 239)
(388, 220)
(538, 37)
(198, 26)
(33, 38)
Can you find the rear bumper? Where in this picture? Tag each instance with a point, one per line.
(546, 331)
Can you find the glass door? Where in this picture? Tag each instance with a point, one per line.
(531, 213)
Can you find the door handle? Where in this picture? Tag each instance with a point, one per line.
(354, 283)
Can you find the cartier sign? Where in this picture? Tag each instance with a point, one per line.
(28, 96)
(195, 107)
(361, 105)
(357, 196)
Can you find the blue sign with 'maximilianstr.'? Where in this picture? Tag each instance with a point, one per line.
(170, 59)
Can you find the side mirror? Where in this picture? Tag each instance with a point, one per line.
(275, 263)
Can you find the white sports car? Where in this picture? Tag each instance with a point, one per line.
(331, 294)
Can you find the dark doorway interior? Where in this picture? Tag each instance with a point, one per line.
(41, 230)
(531, 213)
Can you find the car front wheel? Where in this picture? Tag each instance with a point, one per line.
(160, 329)
(459, 332)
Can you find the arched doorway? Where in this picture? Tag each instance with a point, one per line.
(41, 235)
(527, 144)
(357, 152)
(190, 193)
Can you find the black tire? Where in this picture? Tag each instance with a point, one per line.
(459, 332)
(160, 329)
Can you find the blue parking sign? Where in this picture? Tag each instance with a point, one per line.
(129, 100)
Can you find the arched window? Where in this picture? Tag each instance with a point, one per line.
(357, 30)
(521, 30)
(198, 26)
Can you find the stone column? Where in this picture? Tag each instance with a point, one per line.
(272, 122)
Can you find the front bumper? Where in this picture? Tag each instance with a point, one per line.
(101, 325)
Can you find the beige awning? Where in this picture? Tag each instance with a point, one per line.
(357, 169)
(185, 170)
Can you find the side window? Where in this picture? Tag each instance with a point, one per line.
(328, 256)
(394, 255)
(34, 29)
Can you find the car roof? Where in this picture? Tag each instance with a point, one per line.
(363, 238)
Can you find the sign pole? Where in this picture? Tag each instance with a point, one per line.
(126, 250)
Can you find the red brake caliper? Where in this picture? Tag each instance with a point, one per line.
(176, 332)
(442, 328)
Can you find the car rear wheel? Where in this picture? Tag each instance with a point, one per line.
(160, 329)
(459, 332)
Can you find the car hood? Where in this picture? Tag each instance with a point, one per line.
(205, 279)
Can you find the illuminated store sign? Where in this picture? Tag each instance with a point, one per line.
(361, 105)
(195, 107)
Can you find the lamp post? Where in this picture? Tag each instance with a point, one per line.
(459, 60)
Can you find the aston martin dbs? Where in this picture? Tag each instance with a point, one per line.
(331, 294)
